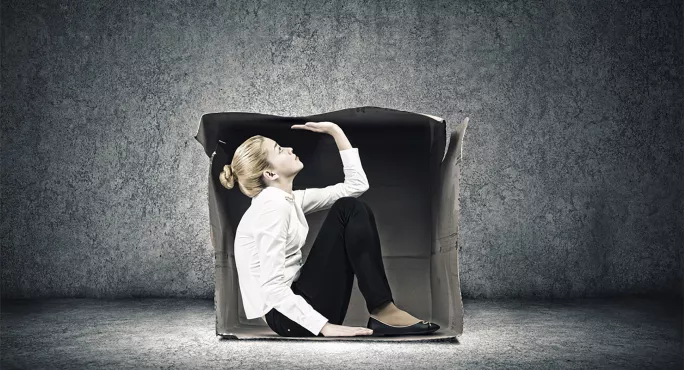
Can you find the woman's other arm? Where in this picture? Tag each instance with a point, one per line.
(355, 180)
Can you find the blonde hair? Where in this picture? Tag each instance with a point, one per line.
(249, 162)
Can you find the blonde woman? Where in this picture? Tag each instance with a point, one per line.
(309, 299)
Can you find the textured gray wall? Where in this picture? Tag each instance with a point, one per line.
(572, 174)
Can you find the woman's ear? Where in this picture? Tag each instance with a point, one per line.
(270, 175)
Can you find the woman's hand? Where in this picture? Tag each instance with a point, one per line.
(332, 330)
(325, 127)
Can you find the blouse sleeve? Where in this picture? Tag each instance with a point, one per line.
(270, 237)
(355, 183)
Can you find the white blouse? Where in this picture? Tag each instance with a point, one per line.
(270, 237)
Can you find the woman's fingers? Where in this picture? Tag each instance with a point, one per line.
(300, 127)
(363, 331)
(307, 127)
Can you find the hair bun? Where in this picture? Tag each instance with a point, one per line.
(227, 177)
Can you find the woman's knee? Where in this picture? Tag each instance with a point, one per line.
(351, 203)
(345, 201)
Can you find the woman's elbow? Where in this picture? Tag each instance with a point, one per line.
(360, 191)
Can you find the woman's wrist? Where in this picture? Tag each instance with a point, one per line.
(335, 129)
(340, 138)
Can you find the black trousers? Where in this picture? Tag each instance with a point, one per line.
(346, 245)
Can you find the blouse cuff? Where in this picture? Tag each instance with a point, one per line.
(350, 157)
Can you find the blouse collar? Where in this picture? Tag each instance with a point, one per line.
(279, 192)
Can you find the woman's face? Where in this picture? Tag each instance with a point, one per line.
(285, 163)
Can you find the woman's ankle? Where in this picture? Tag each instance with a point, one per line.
(384, 308)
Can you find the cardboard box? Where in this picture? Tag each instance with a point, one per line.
(414, 192)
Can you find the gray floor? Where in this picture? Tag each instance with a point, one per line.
(177, 333)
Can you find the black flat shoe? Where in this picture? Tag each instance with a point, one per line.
(382, 329)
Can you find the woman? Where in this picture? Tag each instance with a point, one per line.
(311, 299)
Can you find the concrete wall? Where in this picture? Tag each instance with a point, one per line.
(572, 172)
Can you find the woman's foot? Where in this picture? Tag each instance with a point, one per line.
(392, 315)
